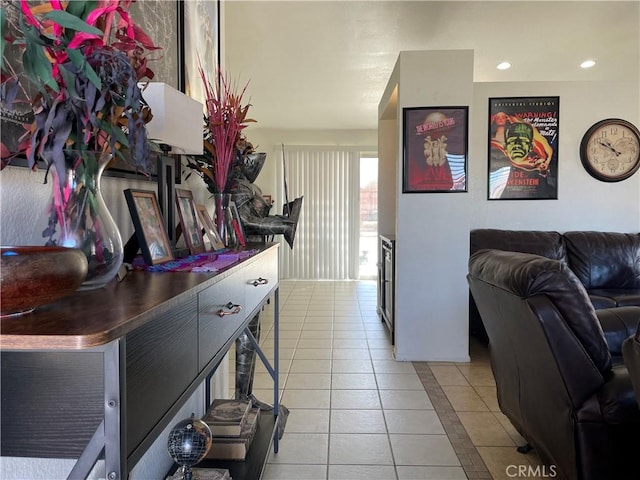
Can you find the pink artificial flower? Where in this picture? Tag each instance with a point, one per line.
(26, 11)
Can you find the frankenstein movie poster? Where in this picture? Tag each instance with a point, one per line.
(523, 148)
(435, 149)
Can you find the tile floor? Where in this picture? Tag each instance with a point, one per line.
(356, 413)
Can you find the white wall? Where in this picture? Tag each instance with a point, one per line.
(584, 203)
(432, 232)
(22, 216)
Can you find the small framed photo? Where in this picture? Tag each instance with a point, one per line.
(268, 199)
(209, 228)
(189, 221)
(237, 224)
(149, 226)
(435, 143)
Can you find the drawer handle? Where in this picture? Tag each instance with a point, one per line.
(260, 281)
(229, 306)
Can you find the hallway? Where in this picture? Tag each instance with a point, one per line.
(355, 413)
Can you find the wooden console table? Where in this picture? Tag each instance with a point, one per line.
(102, 373)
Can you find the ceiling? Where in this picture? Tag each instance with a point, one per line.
(325, 64)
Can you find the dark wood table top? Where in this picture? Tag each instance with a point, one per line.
(96, 317)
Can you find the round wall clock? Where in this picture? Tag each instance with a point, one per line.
(610, 150)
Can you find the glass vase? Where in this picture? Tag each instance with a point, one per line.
(78, 217)
(223, 219)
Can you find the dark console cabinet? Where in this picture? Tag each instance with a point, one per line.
(386, 282)
(102, 373)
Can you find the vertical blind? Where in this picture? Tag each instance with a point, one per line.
(326, 243)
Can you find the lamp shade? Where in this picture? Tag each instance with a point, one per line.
(177, 118)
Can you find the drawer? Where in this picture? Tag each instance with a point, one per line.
(261, 277)
(160, 364)
(226, 298)
(35, 421)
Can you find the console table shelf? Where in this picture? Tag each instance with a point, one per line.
(102, 373)
(251, 468)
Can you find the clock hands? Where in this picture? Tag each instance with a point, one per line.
(607, 144)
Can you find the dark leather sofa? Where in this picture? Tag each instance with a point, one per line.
(631, 354)
(606, 263)
(557, 364)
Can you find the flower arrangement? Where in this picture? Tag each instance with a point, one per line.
(224, 120)
(83, 61)
(81, 64)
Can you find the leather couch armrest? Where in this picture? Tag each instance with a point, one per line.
(618, 324)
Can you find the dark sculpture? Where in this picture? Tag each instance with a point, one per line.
(253, 208)
(254, 214)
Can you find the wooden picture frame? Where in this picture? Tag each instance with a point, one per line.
(435, 146)
(209, 227)
(189, 221)
(236, 223)
(149, 225)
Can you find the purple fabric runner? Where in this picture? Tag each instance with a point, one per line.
(203, 262)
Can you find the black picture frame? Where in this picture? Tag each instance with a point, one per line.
(522, 148)
(200, 26)
(435, 149)
(161, 20)
(149, 226)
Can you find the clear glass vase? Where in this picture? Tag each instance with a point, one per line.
(78, 217)
(223, 219)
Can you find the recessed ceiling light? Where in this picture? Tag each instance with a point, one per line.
(587, 64)
(503, 66)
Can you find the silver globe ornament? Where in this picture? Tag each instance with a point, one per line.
(189, 441)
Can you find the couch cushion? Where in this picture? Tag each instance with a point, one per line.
(604, 260)
(528, 275)
(599, 302)
(619, 297)
(545, 244)
(614, 403)
(618, 324)
(617, 399)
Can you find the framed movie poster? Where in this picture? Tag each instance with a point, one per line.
(435, 143)
(523, 148)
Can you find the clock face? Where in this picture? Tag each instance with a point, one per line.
(610, 150)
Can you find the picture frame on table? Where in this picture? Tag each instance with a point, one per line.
(435, 149)
(149, 226)
(209, 228)
(236, 223)
(189, 221)
(522, 144)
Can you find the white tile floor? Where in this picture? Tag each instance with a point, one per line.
(355, 413)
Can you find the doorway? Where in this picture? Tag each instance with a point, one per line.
(368, 244)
